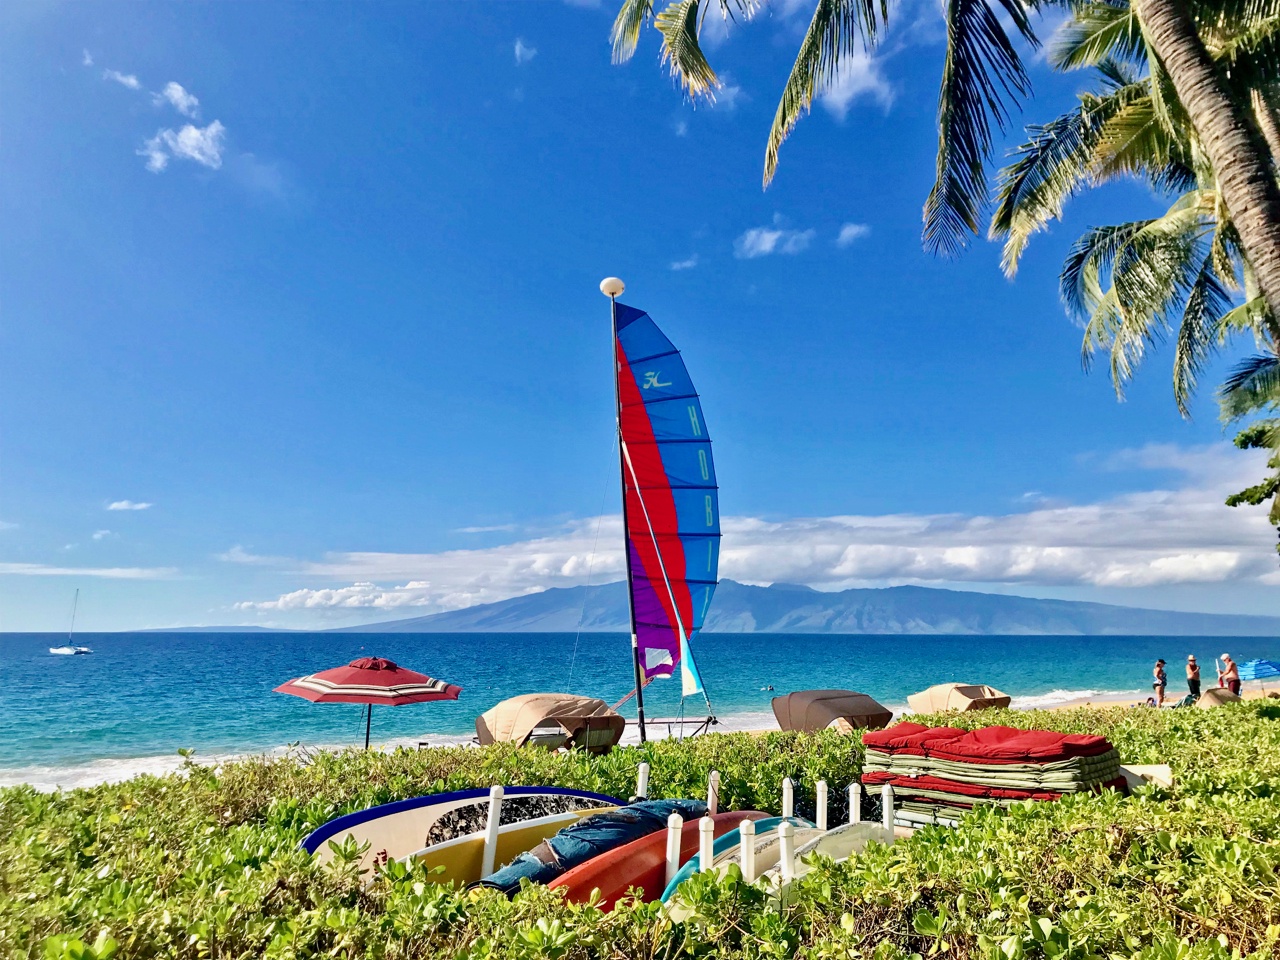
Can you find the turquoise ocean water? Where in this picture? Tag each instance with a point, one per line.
(141, 696)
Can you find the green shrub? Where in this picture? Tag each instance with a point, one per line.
(206, 863)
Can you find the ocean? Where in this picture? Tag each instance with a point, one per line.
(140, 697)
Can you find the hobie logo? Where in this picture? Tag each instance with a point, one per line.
(651, 380)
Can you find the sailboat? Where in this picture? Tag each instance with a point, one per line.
(670, 505)
(68, 650)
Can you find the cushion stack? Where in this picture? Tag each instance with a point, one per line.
(944, 771)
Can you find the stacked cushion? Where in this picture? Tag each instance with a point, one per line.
(949, 769)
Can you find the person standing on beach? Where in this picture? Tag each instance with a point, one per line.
(1229, 675)
(1193, 676)
(1162, 681)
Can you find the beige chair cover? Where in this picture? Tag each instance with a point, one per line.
(1216, 697)
(585, 721)
(957, 696)
(811, 710)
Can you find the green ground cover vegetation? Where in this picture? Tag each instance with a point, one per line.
(206, 863)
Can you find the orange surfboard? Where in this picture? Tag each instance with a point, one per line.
(641, 864)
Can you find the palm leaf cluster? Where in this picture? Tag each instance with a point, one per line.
(983, 80)
(1180, 275)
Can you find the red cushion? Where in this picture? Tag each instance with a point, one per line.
(985, 745)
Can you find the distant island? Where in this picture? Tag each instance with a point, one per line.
(787, 608)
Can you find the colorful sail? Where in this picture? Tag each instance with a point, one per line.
(672, 508)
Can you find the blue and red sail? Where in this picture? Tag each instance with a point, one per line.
(672, 506)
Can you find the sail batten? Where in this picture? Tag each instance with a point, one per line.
(671, 499)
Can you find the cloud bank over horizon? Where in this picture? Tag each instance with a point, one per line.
(1160, 537)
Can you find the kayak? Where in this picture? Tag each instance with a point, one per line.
(727, 849)
(640, 865)
(446, 829)
(589, 839)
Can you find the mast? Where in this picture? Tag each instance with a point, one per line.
(612, 287)
(74, 605)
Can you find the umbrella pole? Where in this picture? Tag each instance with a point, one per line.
(368, 720)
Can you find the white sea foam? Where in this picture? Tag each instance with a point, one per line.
(1055, 698)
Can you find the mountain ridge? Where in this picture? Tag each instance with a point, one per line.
(793, 608)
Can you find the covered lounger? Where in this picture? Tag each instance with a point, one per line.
(958, 696)
(812, 710)
(552, 720)
(1216, 697)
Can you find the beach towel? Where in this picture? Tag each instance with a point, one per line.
(986, 745)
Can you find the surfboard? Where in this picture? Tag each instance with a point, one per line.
(727, 850)
(641, 864)
(396, 831)
(839, 844)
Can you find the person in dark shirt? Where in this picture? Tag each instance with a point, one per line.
(1161, 682)
(1193, 676)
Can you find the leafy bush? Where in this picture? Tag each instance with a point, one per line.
(206, 863)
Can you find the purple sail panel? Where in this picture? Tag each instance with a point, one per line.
(658, 643)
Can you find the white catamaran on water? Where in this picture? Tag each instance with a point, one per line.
(68, 650)
(670, 506)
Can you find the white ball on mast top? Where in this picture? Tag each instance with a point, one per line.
(612, 287)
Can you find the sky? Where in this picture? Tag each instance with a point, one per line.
(300, 325)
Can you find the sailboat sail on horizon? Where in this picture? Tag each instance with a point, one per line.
(670, 501)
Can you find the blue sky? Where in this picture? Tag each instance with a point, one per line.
(313, 289)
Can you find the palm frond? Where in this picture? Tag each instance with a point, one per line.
(1206, 303)
(1097, 32)
(1088, 259)
(1134, 142)
(1051, 167)
(834, 31)
(625, 34)
(982, 78)
(1253, 386)
(678, 24)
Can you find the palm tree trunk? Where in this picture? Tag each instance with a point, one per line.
(1233, 143)
(1268, 124)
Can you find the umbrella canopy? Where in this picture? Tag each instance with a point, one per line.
(370, 680)
(813, 710)
(1259, 670)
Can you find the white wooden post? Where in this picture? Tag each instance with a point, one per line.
(787, 849)
(820, 789)
(491, 831)
(855, 802)
(675, 830)
(886, 802)
(706, 842)
(788, 798)
(642, 782)
(713, 793)
(747, 849)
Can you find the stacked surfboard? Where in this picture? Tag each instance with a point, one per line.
(938, 773)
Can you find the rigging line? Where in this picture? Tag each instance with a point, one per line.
(662, 567)
(591, 564)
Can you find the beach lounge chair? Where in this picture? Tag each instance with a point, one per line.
(845, 710)
(552, 721)
(958, 696)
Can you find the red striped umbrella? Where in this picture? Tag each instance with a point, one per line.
(370, 680)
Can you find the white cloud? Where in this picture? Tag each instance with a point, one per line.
(177, 96)
(238, 554)
(851, 232)
(101, 534)
(495, 528)
(681, 128)
(1181, 535)
(763, 241)
(727, 96)
(127, 505)
(87, 59)
(124, 79)
(687, 264)
(524, 52)
(203, 145)
(110, 573)
(857, 75)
